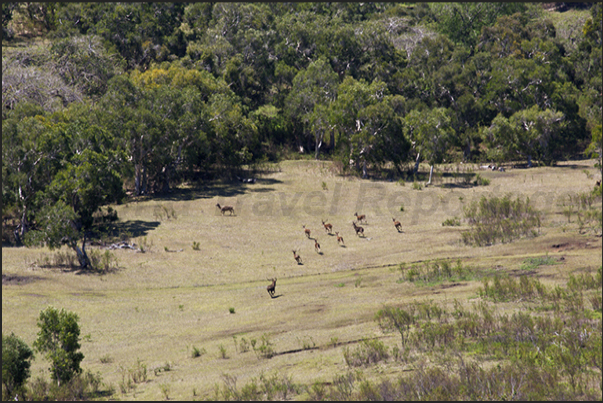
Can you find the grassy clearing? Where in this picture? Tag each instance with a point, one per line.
(171, 304)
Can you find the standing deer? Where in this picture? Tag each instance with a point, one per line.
(397, 224)
(297, 257)
(358, 229)
(339, 238)
(306, 231)
(360, 217)
(271, 288)
(316, 246)
(328, 227)
(225, 209)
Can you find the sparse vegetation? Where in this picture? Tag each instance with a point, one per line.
(500, 219)
(451, 222)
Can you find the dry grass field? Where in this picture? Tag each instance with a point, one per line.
(160, 305)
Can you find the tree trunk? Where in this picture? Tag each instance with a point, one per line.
(332, 142)
(364, 173)
(82, 256)
(417, 162)
(137, 179)
(166, 179)
(467, 151)
(529, 161)
(430, 174)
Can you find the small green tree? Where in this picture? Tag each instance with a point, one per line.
(16, 360)
(58, 338)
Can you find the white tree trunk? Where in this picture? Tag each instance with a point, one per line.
(430, 174)
(417, 162)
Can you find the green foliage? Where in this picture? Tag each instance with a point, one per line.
(58, 339)
(368, 351)
(197, 352)
(433, 272)
(451, 222)
(499, 219)
(481, 181)
(533, 262)
(231, 310)
(16, 361)
(84, 386)
(265, 349)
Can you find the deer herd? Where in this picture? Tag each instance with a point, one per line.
(360, 218)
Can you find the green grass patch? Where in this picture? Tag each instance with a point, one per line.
(533, 262)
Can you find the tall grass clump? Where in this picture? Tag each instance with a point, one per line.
(368, 352)
(500, 219)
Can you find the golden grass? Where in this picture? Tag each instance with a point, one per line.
(160, 304)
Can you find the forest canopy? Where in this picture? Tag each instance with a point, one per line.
(99, 98)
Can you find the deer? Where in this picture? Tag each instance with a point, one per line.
(397, 224)
(339, 238)
(316, 246)
(297, 257)
(225, 209)
(306, 231)
(360, 217)
(271, 288)
(358, 229)
(328, 227)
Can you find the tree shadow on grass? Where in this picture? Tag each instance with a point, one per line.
(130, 228)
(216, 189)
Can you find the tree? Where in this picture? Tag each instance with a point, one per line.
(526, 133)
(16, 361)
(314, 86)
(431, 133)
(58, 338)
(595, 147)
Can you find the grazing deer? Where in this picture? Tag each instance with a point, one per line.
(225, 209)
(306, 231)
(339, 238)
(316, 246)
(397, 224)
(328, 227)
(358, 229)
(271, 288)
(297, 257)
(360, 217)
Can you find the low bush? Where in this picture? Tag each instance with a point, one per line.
(368, 351)
(499, 220)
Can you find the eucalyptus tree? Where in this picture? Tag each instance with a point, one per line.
(430, 132)
(527, 133)
(313, 90)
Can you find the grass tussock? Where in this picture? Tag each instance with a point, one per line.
(500, 219)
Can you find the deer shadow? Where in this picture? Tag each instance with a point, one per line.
(276, 296)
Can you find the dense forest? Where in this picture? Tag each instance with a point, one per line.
(101, 99)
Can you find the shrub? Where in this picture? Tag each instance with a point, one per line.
(481, 181)
(16, 361)
(499, 219)
(265, 349)
(196, 245)
(451, 222)
(197, 352)
(231, 310)
(59, 339)
(222, 351)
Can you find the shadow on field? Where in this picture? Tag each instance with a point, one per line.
(136, 228)
(217, 189)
